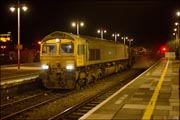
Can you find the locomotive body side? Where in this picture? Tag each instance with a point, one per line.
(101, 51)
(79, 60)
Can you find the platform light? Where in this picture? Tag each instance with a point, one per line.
(73, 24)
(124, 39)
(81, 24)
(77, 24)
(12, 9)
(115, 35)
(178, 13)
(24, 8)
(101, 31)
(174, 34)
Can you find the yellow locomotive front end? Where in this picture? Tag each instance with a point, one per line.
(58, 61)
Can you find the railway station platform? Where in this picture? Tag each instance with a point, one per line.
(152, 95)
(10, 74)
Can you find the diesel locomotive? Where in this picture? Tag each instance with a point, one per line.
(72, 61)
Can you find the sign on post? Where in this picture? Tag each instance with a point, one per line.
(5, 37)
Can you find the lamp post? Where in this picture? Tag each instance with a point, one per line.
(77, 24)
(124, 38)
(19, 46)
(115, 35)
(101, 31)
(130, 53)
(176, 30)
(176, 41)
(178, 14)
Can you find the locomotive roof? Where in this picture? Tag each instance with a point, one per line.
(66, 35)
(60, 35)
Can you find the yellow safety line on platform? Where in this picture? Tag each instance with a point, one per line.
(151, 105)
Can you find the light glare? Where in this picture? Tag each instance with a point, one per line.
(45, 67)
(57, 40)
(12, 9)
(69, 67)
(81, 24)
(73, 24)
(178, 13)
(24, 8)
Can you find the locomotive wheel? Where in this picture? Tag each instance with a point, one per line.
(89, 79)
(80, 83)
(93, 80)
(77, 86)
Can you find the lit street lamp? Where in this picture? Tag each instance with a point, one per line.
(176, 30)
(130, 50)
(77, 24)
(101, 31)
(124, 38)
(178, 14)
(19, 46)
(174, 34)
(115, 35)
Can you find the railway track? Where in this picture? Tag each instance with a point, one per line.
(18, 108)
(10, 110)
(76, 111)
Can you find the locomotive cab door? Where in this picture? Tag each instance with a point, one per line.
(81, 59)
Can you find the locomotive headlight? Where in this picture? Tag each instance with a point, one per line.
(70, 67)
(45, 66)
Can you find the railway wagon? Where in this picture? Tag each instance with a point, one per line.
(70, 61)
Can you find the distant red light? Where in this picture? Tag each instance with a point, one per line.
(163, 49)
(3, 47)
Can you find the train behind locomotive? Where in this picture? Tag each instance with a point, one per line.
(70, 61)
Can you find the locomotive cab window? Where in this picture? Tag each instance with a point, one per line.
(67, 48)
(48, 49)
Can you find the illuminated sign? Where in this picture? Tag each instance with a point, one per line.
(5, 37)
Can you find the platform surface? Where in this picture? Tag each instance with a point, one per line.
(152, 95)
(10, 74)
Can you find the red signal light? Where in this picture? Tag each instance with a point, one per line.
(163, 49)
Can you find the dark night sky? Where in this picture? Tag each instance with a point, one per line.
(149, 22)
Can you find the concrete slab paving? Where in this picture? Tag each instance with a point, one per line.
(160, 81)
